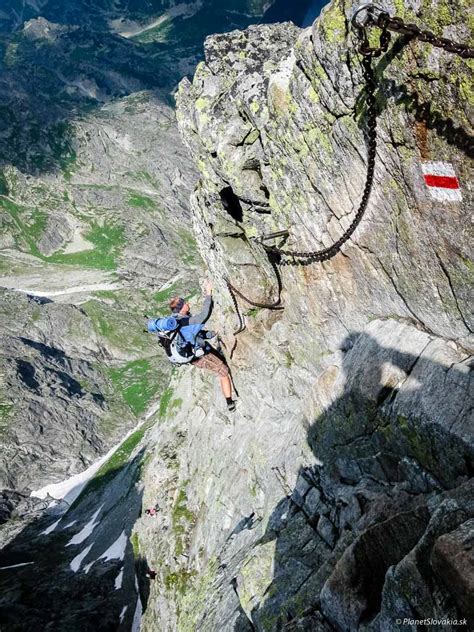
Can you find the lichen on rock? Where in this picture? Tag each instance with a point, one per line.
(330, 499)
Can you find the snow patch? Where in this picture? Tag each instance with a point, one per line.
(77, 561)
(2, 568)
(51, 528)
(115, 552)
(119, 580)
(122, 614)
(133, 29)
(78, 289)
(69, 525)
(85, 532)
(137, 617)
(117, 549)
(70, 488)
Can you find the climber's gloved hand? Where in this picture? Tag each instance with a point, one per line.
(210, 334)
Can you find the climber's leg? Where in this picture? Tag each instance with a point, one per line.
(213, 362)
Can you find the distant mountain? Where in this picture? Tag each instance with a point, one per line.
(59, 59)
(94, 189)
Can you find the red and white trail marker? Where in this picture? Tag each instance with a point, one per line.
(441, 181)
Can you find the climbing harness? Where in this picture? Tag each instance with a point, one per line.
(364, 17)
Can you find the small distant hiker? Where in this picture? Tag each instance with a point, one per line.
(186, 341)
(152, 511)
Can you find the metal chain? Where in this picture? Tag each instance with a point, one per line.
(275, 305)
(396, 24)
(375, 17)
(327, 253)
(234, 292)
(241, 327)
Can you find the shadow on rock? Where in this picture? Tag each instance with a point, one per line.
(379, 531)
(76, 570)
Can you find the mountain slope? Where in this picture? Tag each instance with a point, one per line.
(94, 189)
(341, 490)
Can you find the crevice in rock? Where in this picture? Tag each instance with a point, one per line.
(448, 278)
(231, 203)
(244, 142)
(233, 583)
(26, 373)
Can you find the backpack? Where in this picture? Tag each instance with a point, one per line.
(178, 341)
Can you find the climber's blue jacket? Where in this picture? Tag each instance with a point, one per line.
(189, 326)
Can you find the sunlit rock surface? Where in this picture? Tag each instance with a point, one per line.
(330, 498)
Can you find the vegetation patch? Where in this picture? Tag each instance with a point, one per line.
(122, 328)
(179, 580)
(182, 520)
(195, 599)
(122, 454)
(107, 294)
(108, 241)
(165, 401)
(119, 459)
(3, 185)
(137, 382)
(186, 247)
(168, 405)
(141, 201)
(143, 176)
(164, 296)
(159, 33)
(28, 226)
(5, 412)
(135, 544)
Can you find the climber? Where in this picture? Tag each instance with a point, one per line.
(185, 341)
(152, 511)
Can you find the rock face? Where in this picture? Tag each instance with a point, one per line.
(61, 399)
(338, 496)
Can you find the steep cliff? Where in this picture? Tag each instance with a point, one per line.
(338, 496)
(94, 210)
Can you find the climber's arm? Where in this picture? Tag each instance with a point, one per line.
(206, 308)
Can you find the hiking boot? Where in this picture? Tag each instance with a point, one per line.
(232, 406)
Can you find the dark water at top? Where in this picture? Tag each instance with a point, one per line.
(301, 12)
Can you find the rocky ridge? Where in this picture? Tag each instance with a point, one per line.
(94, 188)
(339, 496)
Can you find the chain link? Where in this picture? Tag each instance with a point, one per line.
(396, 24)
(241, 326)
(385, 23)
(327, 253)
(234, 292)
(375, 17)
